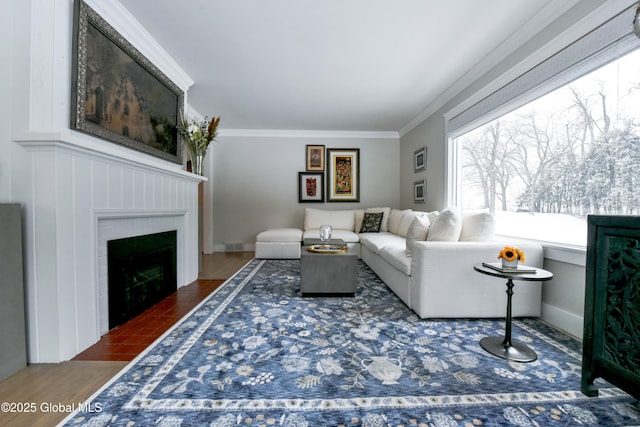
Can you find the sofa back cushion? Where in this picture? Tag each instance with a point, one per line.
(478, 226)
(395, 218)
(359, 216)
(341, 219)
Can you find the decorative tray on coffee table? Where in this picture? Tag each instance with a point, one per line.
(328, 249)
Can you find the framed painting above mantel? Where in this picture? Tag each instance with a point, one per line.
(118, 94)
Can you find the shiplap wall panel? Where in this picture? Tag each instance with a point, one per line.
(65, 242)
(44, 252)
(127, 188)
(99, 179)
(84, 255)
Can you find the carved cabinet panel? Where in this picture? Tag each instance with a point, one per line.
(611, 347)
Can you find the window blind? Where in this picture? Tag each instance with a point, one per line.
(604, 44)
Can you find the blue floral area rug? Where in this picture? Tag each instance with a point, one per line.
(256, 353)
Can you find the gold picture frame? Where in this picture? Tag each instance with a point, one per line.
(343, 175)
(315, 158)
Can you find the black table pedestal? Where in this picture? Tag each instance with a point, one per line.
(504, 347)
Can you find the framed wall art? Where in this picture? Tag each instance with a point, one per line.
(310, 187)
(315, 158)
(118, 94)
(343, 175)
(420, 159)
(420, 191)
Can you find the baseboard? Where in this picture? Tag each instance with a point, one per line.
(568, 322)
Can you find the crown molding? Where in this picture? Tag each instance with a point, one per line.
(589, 22)
(128, 26)
(544, 18)
(286, 133)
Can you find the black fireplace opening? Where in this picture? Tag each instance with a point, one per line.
(142, 272)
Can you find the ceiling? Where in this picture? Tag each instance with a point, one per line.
(333, 65)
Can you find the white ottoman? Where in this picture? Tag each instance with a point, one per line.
(280, 243)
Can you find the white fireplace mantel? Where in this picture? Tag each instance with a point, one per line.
(76, 188)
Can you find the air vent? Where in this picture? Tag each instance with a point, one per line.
(233, 247)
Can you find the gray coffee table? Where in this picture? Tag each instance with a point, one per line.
(324, 274)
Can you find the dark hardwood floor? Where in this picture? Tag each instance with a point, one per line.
(72, 382)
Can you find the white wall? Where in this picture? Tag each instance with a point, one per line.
(429, 133)
(6, 80)
(254, 182)
(563, 297)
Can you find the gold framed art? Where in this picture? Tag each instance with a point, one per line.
(343, 175)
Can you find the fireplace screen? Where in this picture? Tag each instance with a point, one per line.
(142, 272)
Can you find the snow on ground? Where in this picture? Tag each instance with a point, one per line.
(561, 228)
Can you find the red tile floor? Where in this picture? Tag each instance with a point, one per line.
(125, 342)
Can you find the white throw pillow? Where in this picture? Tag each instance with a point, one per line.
(446, 227)
(407, 219)
(432, 215)
(479, 226)
(385, 216)
(418, 231)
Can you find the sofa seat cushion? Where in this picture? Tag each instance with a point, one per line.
(280, 235)
(396, 255)
(346, 235)
(376, 241)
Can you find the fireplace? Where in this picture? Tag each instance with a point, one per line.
(141, 272)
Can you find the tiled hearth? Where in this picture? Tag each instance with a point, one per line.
(125, 342)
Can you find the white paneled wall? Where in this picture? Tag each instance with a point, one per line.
(78, 200)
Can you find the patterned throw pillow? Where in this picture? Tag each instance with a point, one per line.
(371, 222)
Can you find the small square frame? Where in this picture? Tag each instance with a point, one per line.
(420, 159)
(420, 191)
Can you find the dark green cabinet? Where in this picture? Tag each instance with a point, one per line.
(611, 341)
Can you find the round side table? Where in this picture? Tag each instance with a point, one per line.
(505, 347)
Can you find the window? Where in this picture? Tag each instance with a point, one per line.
(545, 165)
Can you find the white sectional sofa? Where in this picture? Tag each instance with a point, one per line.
(428, 262)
